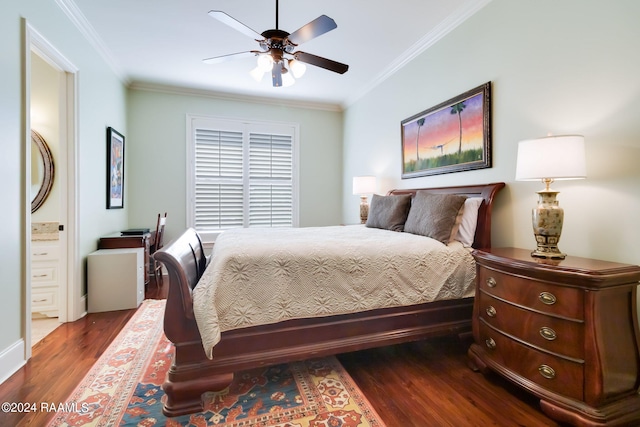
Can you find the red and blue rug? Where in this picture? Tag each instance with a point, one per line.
(124, 389)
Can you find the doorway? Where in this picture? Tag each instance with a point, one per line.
(53, 288)
(47, 179)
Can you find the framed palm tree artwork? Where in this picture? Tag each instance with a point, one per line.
(453, 136)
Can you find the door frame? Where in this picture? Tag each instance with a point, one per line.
(71, 302)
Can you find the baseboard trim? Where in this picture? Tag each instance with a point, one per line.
(12, 359)
(83, 304)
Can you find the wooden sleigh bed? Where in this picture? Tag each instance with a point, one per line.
(192, 373)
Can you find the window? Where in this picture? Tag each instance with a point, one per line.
(240, 174)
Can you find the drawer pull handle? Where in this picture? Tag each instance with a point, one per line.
(41, 254)
(491, 311)
(491, 282)
(548, 333)
(547, 298)
(491, 344)
(547, 372)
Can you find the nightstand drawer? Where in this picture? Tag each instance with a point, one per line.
(560, 336)
(553, 373)
(540, 296)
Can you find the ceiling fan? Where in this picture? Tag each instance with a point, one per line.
(278, 53)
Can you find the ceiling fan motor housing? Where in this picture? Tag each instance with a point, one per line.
(277, 39)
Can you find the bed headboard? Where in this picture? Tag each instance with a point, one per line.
(486, 191)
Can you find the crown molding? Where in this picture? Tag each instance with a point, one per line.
(89, 33)
(271, 101)
(432, 37)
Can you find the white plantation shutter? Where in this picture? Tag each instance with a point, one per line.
(270, 180)
(241, 175)
(218, 180)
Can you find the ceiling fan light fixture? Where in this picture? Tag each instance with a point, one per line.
(297, 68)
(287, 78)
(257, 74)
(265, 63)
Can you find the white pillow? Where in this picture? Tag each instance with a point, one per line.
(467, 228)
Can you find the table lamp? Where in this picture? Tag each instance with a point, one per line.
(364, 185)
(549, 159)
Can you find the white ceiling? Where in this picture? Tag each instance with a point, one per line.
(163, 42)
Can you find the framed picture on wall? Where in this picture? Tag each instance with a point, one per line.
(453, 136)
(115, 169)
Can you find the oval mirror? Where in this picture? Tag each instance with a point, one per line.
(42, 170)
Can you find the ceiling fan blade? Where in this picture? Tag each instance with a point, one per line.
(235, 24)
(276, 74)
(317, 27)
(318, 61)
(229, 57)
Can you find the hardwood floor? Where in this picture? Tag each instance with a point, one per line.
(427, 383)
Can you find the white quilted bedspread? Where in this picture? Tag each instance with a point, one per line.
(261, 276)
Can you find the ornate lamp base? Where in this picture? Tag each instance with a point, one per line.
(364, 209)
(547, 218)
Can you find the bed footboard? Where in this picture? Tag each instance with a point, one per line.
(188, 376)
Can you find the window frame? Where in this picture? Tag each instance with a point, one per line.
(245, 126)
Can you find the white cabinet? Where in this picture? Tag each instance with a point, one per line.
(45, 261)
(115, 279)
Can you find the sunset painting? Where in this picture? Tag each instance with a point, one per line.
(451, 137)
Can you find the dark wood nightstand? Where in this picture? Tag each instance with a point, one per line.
(564, 330)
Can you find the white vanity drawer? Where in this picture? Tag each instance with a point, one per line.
(45, 252)
(44, 299)
(45, 265)
(43, 274)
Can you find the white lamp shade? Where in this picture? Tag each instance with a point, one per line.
(287, 79)
(257, 74)
(553, 157)
(265, 62)
(297, 68)
(364, 184)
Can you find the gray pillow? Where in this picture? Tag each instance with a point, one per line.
(434, 215)
(389, 212)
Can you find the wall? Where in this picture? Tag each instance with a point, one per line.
(156, 161)
(556, 67)
(100, 103)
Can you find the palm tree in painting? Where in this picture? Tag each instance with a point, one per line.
(457, 109)
(420, 124)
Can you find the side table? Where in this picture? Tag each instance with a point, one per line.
(564, 330)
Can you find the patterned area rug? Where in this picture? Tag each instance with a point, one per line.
(124, 388)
